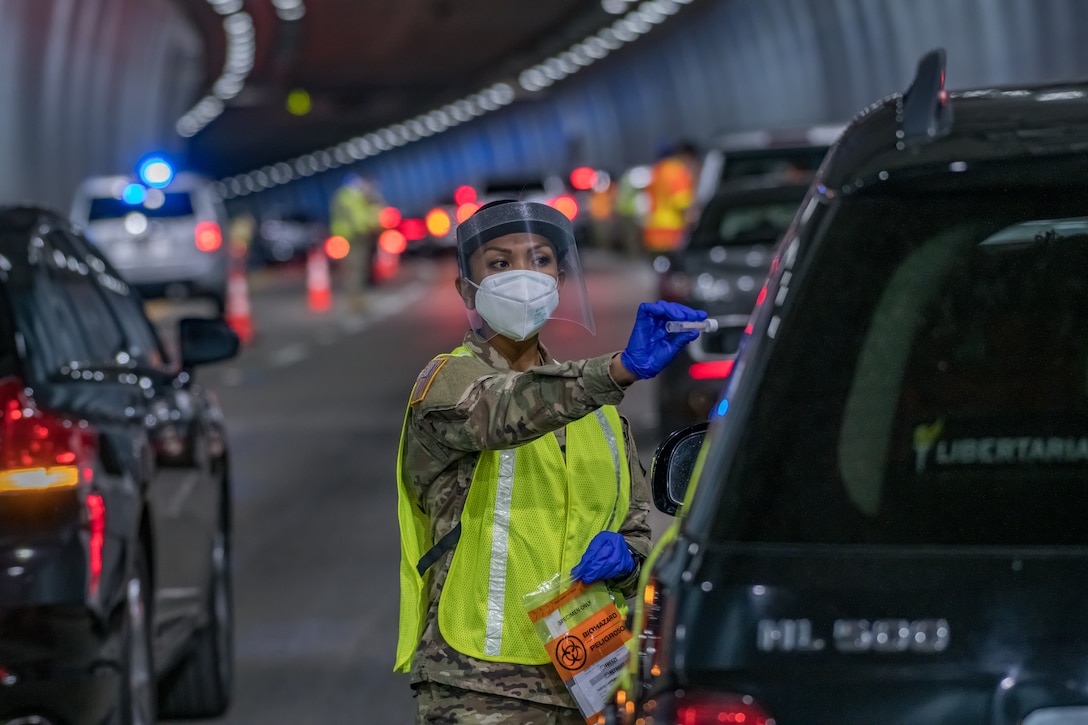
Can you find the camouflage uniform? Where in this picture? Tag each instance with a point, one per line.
(460, 407)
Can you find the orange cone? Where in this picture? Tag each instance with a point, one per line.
(317, 280)
(237, 313)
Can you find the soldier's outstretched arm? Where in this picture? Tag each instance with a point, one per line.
(466, 405)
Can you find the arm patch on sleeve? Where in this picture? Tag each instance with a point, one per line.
(423, 382)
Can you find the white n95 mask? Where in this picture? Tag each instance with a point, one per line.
(517, 303)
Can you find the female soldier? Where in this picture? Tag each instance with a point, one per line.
(514, 467)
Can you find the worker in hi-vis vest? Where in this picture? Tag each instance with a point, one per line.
(513, 468)
(354, 215)
(671, 194)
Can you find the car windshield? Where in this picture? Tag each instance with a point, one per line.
(732, 221)
(932, 385)
(170, 204)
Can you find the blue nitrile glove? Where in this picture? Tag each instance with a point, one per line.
(650, 348)
(606, 557)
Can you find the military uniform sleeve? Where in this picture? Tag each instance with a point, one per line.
(466, 405)
(636, 527)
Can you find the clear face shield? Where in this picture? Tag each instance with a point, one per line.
(519, 268)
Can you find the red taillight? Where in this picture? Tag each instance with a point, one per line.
(392, 241)
(464, 211)
(583, 178)
(715, 709)
(567, 205)
(96, 518)
(413, 229)
(389, 217)
(39, 450)
(208, 236)
(337, 247)
(711, 370)
(464, 194)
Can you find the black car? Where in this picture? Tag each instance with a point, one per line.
(787, 154)
(886, 520)
(720, 268)
(115, 594)
(286, 237)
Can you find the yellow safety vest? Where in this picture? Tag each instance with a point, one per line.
(518, 530)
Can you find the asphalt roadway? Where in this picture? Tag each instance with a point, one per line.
(314, 407)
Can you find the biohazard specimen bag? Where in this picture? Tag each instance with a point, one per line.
(584, 635)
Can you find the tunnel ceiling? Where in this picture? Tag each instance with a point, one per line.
(367, 64)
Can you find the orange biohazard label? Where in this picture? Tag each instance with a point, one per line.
(588, 642)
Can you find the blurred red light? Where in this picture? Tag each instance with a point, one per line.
(583, 178)
(466, 210)
(413, 229)
(464, 195)
(392, 241)
(96, 515)
(710, 370)
(389, 217)
(762, 296)
(721, 709)
(337, 247)
(567, 205)
(208, 237)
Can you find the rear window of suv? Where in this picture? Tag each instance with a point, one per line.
(728, 221)
(170, 204)
(932, 387)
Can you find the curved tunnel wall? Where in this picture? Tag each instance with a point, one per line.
(722, 66)
(89, 86)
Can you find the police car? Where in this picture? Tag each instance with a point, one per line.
(884, 521)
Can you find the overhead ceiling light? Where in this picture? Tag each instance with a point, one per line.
(615, 7)
(289, 10)
(595, 47)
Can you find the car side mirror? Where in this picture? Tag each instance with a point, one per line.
(204, 340)
(673, 464)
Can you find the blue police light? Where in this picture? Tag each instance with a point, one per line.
(156, 172)
(134, 194)
(723, 407)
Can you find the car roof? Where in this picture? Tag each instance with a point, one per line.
(104, 185)
(986, 125)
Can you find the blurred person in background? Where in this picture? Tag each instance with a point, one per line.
(515, 468)
(671, 194)
(602, 198)
(354, 216)
(628, 215)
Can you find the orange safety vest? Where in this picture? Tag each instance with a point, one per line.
(671, 192)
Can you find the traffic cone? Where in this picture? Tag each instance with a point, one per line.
(318, 289)
(237, 313)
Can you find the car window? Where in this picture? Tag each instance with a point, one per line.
(74, 278)
(932, 387)
(141, 341)
(157, 205)
(727, 224)
(52, 332)
(772, 162)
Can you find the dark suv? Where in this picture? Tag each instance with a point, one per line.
(885, 520)
(115, 597)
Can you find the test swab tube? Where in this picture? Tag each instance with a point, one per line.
(707, 325)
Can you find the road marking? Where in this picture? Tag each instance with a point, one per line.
(289, 355)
